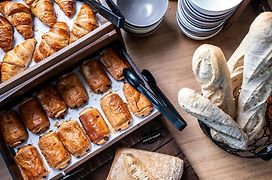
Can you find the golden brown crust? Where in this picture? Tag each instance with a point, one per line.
(72, 91)
(73, 138)
(85, 22)
(54, 151)
(52, 102)
(116, 111)
(12, 128)
(95, 76)
(138, 104)
(67, 6)
(30, 162)
(19, 16)
(44, 10)
(94, 125)
(16, 60)
(114, 63)
(34, 116)
(52, 41)
(6, 34)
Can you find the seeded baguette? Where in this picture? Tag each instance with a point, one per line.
(211, 71)
(257, 80)
(207, 112)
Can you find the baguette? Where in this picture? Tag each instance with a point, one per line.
(211, 71)
(237, 58)
(257, 80)
(207, 112)
(236, 67)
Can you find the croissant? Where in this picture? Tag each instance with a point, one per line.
(67, 6)
(52, 41)
(44, 10)
(85, 22)
(16, 60)
(6, 34)
(19, 16)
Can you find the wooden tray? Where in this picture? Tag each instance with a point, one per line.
(68, 56)
(98, 167)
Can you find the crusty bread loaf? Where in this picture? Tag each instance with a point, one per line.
(210, 69)
(257, 79)
(207, 112)
(135, 168)
(159, 166)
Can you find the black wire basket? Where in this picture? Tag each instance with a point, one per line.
(260, 148)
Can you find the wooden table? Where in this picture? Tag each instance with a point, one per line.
(168, 55)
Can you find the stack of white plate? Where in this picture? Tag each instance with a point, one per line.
(202, 19)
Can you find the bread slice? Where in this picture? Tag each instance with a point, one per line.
(207, 112)
(156, 165)
(257, 77)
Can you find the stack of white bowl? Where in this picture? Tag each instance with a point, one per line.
(202, 19)
(142, 17)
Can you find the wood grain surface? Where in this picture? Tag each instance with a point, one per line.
(167, 54)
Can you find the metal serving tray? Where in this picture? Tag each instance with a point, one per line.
(50, 75)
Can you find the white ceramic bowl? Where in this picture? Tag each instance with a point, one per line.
(215, 7)
(142, 13)
(193, 27)
(146, 30)
(195, 21)
(190, 35)
(143, 34)
(205, 17)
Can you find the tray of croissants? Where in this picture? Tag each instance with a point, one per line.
(36, 32)
(71, 117)
(234, 105)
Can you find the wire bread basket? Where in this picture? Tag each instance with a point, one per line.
(260, 148)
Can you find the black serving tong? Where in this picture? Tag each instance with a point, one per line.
(149, 78)
(115, 18)
(114, 8)
(161, 103)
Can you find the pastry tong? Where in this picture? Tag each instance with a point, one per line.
(157, 97)
(113, 15)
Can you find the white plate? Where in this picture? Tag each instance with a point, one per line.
(215, 7)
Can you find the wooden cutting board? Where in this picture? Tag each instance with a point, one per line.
(99, 166)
